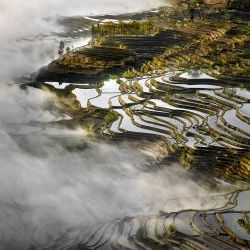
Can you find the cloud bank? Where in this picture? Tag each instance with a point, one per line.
(47, 190)
(25, 19)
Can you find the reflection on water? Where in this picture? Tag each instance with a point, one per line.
(60, 189)
(150, 162)
(245, 109)
(196, 74)
(83, 95)
(88, 194)
(57, 183)
(58, 85)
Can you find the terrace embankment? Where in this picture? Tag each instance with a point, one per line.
(188, 117)
(220, 223)
(180, 95)
(215, 43)
(86, 63)
(184, 89)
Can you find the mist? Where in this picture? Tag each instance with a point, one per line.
(45, 189)
(26, 26)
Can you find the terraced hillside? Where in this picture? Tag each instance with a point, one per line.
(201, 121)
(183, 97)
(219, 224)
(216, 44)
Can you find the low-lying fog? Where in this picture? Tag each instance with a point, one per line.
(46, 189)
(25, 29)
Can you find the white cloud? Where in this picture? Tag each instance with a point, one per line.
(46, 190)
(22, 19)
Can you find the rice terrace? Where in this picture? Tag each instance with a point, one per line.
(142, 140)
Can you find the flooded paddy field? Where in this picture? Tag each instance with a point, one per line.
(133, 141)
(187, 134)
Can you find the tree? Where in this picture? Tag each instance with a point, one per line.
(61, 48)
(68, 49)
(93, 30)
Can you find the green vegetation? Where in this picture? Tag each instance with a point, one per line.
(244, 222)
(215, 49)
(64, 100)
(125, 28)
(181, 96)
(96, 58)
(172, 229)
(110, 118)
(195, 125)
